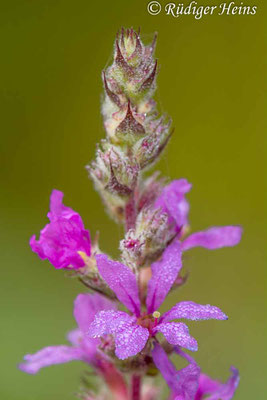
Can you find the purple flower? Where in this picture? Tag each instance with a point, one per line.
(64, 239)
(132, 331)
(189, 383)
(183, 383)
(172, 201)
(82, 347)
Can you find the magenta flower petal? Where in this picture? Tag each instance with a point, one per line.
(121, 280)
(74, 337)
(193, 311)
(57, 208)
(183, 383)
(63, 238)
(164, 273)
(165, 366)
(130, 341)
(130, 338)
(88, 346)
(214, 238)
(86, 306)
(188, 380)
(50, 356)
(177, 333)
(206, 385)
(217, 390)
(189, 384)
(109, 322)
(172, 202)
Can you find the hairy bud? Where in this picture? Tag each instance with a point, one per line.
(146, 242)
(136, 134)
(115, 176)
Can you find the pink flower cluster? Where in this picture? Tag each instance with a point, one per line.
(61, 242)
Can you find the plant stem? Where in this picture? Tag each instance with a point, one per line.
(130, 213)
(136, 387)
(114, 381)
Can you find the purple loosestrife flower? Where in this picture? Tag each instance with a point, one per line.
(64, 240)
(189, 383)
(132, 331)
(172, 201)
(82, 347)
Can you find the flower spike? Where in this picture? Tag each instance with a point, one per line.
(120, 328)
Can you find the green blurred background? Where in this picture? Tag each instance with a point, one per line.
(212, 84)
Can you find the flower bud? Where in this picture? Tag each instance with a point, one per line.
(129, 83)
(147, 240)
(115, 177)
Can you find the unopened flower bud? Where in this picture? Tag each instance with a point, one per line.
(136, 134)
(147, 241)
(115, 177)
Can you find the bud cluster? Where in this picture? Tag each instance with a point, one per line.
(135, 133)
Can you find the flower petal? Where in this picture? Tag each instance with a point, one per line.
(177, 333)
(217, 390)
(75, 337)
(193, 311)
(214, 238)
(206, 385)
(183, 383)
(87, 345)
(172, 201)
(106, 322)
(63, 238)
(130, 340)
(121, 280)
(164, 273)
(50, 356)
(188, 379)
(165, 366)
(57, 208)
(86, 306)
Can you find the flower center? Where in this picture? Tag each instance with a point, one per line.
(131, 243)
(149, 321)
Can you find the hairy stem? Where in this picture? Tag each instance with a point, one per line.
(130, 213)
(136, 387)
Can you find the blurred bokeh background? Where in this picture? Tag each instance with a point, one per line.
(212, 84)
